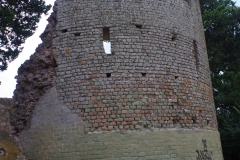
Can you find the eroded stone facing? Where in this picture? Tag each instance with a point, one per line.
(35, 76)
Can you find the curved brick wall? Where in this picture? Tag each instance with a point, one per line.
(152, 95)
(159, 71)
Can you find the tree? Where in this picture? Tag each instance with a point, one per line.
(222, 31)
(18, 21)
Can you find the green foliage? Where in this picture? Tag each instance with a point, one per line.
(229, 127)
(222, 30)
(18, 21)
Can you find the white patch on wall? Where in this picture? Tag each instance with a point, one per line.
(107, 47)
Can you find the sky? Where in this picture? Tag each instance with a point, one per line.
(7, 78)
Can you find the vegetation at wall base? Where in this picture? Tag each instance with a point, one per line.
(221, 20)
(18, 21)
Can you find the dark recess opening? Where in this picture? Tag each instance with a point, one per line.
(138, 26)
(174, 37)
(194, 120)
(64, 30)
(77, 34)
(106, 34)
(144, 74)
(175, 121)
(208, 122)
(108, 75)
(176, 77)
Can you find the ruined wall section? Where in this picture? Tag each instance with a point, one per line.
(35, 76)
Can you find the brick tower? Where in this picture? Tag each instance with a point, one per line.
(150, 97)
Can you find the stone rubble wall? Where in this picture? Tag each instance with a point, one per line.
(34, 77)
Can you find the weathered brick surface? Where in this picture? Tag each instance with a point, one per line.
(56, 134)
(159, 69)
(159, 72)
(150, 99)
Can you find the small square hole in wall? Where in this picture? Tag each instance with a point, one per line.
(194, 120)
(108, 75)
(138, 26)
(64, 30)
(208, 122)
(175, 121)
(144, 74)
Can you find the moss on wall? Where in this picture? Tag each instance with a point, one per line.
(10, 148)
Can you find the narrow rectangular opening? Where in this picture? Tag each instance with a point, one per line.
(194, 120)
(64, 30)
(138, 26)
(196, 56)
(208, 122)
(108, 75)
(106, 40)
(106, 34)
(77, 34)
(174, 37)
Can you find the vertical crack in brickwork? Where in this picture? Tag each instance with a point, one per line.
(196, 55)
